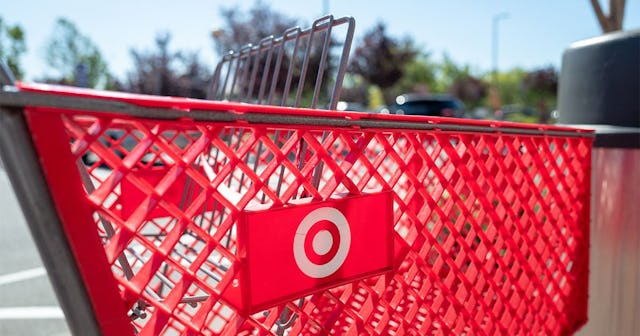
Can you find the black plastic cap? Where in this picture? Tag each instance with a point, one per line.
(600, 81)
(600, 85)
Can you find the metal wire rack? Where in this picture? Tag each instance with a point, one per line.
(275, 70)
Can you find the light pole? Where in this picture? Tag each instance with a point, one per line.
(218, 34)
(325, 7)
(494, 47)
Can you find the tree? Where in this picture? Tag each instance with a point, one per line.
(543, 81)
(419, 75)
(527, 96)
(380, 59)
(448, 72)
(511, 90)
(12, 47)
(470, 90)
(195, 78)
(75, 57)
(612, 21)
(459, 81)
(166, 73)
(240, 28)
(540, 87)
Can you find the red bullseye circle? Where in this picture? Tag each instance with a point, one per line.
(318, 249)
(310, 251)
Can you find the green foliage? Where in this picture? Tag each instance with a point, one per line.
(449, 72)
(470, 90)
(510, 86)
(382, 60)
(419, 75)
(527, 96)
(375, 97)
(12, 47)
(541, 85)
(75, 57)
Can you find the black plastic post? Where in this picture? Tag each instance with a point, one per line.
(599, 86)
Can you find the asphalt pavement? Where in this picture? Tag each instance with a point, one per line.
(28, 305)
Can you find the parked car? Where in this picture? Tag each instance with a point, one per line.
(428, 105)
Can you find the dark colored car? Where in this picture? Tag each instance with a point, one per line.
(428, 105)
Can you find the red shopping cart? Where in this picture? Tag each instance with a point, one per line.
(158, 215)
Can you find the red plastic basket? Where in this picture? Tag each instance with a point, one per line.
(182, 215)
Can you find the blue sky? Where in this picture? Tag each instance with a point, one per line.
(534, 34)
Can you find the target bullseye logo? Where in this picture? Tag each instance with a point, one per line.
(322, 242)
(307, 247)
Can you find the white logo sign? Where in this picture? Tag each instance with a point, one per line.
(322, 242)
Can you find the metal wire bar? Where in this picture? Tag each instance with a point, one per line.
(303, 71)
(276, 71)
(246, 66)
(242, 175)
(238, 143)
(293, 33)
(323, 62)
(227, 58)
(317, 172)
(210, 227)
(267, 66)
(108, 228)
(287, 318)
(167, 282)
(239, 62)
(6, 76)
(342, 68)
(254, 74)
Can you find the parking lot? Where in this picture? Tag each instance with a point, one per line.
(27, 302)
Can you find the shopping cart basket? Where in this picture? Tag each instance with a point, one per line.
(158, 215)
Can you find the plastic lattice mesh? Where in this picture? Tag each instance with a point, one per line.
(492, 228)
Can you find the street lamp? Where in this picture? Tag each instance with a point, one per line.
(494, 46)
(325, 7)
(218, 34)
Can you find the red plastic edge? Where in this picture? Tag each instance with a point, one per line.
(52, 145)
